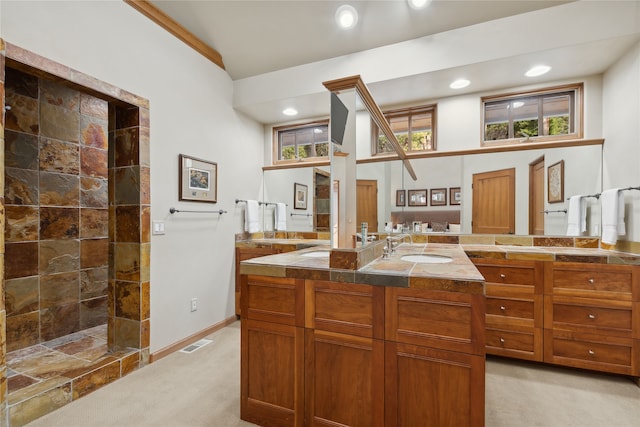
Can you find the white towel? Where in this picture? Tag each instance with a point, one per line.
(612, 202)
(251, 214)
(577, 216)
(280, 217)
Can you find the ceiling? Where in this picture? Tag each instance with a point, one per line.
(260, 40)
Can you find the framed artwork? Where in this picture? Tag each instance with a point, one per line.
(455, 195)
(555, 182)
(400, 198)
(417, 197)
(438, 196)
(198, 180)
(300, 196)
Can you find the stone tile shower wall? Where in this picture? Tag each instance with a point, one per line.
(56, 208)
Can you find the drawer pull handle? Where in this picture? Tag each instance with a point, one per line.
(591, 281)
(502, 340)
(592, 353)
(502, 275)
(591, 316)
(503, 308)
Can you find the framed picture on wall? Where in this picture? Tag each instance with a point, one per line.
(417, 197)
(299, 196)
(455, 196)
(400, 198)
(555, 182)
(198, 180)
(438, 196)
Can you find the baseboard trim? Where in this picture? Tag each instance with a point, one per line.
(190, 339)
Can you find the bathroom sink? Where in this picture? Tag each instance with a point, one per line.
(427, 259)
(316, 254)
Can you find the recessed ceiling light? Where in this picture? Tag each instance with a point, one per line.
(538, 70)
(289, 111)
(346, 16)
(418, 4)
(517, 104)
(459, 84)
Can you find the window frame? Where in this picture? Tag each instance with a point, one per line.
(578, 109)
(406, 112)
(276, 149)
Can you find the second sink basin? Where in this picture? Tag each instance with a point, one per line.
(427, 259)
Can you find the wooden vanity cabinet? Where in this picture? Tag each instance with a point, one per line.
(434, 358)
(591, 317)
(514, 307)
(322, 353)
(245, 253)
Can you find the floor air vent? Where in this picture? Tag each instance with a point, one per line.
(196, 345)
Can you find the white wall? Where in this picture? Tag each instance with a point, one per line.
(191, 113)
(621, 124)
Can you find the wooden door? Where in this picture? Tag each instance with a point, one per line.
(367, 204)
(494, 202)
(536, 196)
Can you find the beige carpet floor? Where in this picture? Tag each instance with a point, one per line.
(202, 389)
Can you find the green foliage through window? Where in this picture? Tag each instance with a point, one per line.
(302, 141)
(541, 114)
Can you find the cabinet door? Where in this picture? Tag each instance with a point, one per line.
(244, 254)
(344, 380)
(429, 387)
(272, 387)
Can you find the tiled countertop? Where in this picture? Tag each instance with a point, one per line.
(459, 275)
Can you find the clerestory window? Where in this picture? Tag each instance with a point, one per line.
(543, 115)
(413, 127)
(303, 142)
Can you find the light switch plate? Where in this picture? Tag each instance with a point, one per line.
(158, 227)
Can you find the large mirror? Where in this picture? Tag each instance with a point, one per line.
(380, 182)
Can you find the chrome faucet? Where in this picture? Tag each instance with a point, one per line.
(392, 243)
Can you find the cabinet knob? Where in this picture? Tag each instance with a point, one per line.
(502, 340)
(503, 308)
(591, 281)
(502, 275)
(591, 352)
(591, 316)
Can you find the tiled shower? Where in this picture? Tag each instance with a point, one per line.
(57, 210)
(76, 215)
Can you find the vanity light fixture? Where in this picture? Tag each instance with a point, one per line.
(346, 16)
(418, 4)
(459, 84)
(538, 70)
(290, 112)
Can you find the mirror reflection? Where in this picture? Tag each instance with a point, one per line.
(379, 184)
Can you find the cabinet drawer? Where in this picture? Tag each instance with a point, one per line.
(346, 308)
(510, 308)
(273, 299)
(600, 353)
(592, 280)
(445, 320)
(508, 275)
(593, 316)
(509, 340)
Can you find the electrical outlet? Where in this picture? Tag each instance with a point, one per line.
(194, 304)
